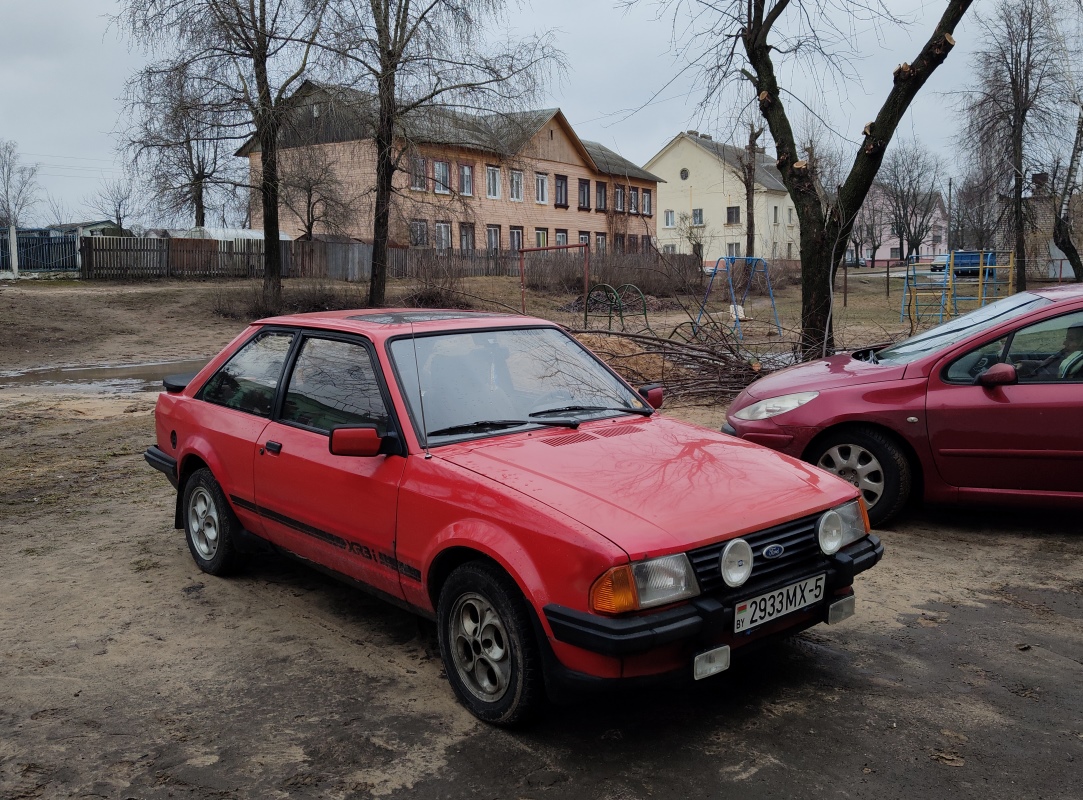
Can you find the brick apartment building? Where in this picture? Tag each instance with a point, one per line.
(473, 183)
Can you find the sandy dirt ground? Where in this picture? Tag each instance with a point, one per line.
(127, 673)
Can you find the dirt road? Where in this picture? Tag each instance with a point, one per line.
(125, 672)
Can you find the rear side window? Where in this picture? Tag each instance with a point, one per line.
(334, 383)
(247, 382)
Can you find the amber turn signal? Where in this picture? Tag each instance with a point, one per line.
(615, 592)
(864, 513)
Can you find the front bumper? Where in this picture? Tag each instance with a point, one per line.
(705, 620)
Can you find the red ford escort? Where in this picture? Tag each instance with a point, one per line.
(490, 472)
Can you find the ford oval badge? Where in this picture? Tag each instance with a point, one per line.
(773, 551)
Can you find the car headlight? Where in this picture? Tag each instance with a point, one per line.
(645, 584)
(774, 406)
(736, 562)
(842, 526)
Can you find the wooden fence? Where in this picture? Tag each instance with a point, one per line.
(131, 258)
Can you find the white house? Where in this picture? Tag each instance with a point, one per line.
(701, 205)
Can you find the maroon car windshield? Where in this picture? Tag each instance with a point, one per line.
(960, 328)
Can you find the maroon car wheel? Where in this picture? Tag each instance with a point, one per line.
(873, 463)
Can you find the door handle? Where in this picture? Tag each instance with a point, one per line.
(274, 447)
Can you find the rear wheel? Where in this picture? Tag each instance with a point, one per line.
(209, 524)
(487, 644)
(873, 463)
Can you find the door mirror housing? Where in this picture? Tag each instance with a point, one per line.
(362, 441)
(653, 393)
(998, 375)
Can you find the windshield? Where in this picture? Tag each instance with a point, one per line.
(481, 383)
(959, 328)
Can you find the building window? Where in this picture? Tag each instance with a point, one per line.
(644, 243)
(562, 236)
(584, 238)
(466, 237)
(789, 250)
(789, 215)
(633, 200)
(618, 242)
(775, 210)
(492, 238)
(516, 188)
(733, 215)
(632, 246)
(584, 195)
(774, 249)
(669, 219)
(541, 187)
(466, 180)
(417, 174)
(561, 200)
(669, 249)
(600, 199)
(733, 249)
(618, 199)
(441, 177)
(697, 216)
(896, 253)
(515, 238)
(443, 236)
(419, 233)
(599, 242)
(492, 183)
(647, 202)
(541, 237)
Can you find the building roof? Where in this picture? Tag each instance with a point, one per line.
(70, 226)
(767, 174)
(325, 113)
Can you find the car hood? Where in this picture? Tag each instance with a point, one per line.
(654, 485)
(821, 374)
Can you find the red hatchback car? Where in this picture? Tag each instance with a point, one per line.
(985, 408)
(490, 472)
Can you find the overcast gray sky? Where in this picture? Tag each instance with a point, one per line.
(62, 70)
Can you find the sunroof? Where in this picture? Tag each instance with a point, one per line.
(408, 317)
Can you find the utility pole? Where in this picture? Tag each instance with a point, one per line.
(949, 216)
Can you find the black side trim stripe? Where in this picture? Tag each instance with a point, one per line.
(354, 548)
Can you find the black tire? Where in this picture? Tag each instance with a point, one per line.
(487, 645)
(872, 462)
(210, 525)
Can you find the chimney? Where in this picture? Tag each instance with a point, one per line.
(705, 136)
(692, 133)
(1041, 180)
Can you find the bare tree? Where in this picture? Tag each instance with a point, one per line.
(414, 55)
(974, 213)
(243, 59)
(909, 177)
(871, 222)
(732, 41)
(175, 143)
(115, 199)
(1016, 96)
(314, 192)
(749, 160)
(698, 236)
(18, 185)
(58, 212)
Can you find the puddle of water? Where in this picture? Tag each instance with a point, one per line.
(102, 379)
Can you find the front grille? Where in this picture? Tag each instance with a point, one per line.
(802, 554)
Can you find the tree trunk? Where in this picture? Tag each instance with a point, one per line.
(198, 202)
(385, 173)
(268, 189)
(1017, 211)
(1062, 238)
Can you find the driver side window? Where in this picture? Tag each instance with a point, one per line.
(1050, 351)
(968, 367)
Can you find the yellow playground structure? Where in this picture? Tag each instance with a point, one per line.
(971, 278)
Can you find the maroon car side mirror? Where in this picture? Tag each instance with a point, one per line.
(364, 442)
(999, 375)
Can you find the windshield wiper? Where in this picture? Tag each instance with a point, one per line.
(644, 412)
(498, 424)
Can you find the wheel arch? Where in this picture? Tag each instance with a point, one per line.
(189, 464)
(917, 473)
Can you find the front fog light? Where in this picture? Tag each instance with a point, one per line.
(736, 562)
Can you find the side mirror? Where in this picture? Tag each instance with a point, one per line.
(653, 393)
(355, 441)
(998, 375)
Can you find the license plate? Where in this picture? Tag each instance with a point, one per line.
(772, 605)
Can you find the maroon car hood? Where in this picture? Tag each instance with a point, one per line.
(653, 485)
(821, 374)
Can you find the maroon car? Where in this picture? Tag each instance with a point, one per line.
(985, 408)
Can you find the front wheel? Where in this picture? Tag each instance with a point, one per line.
(873, 463)
(487, 645)
(209, 524)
